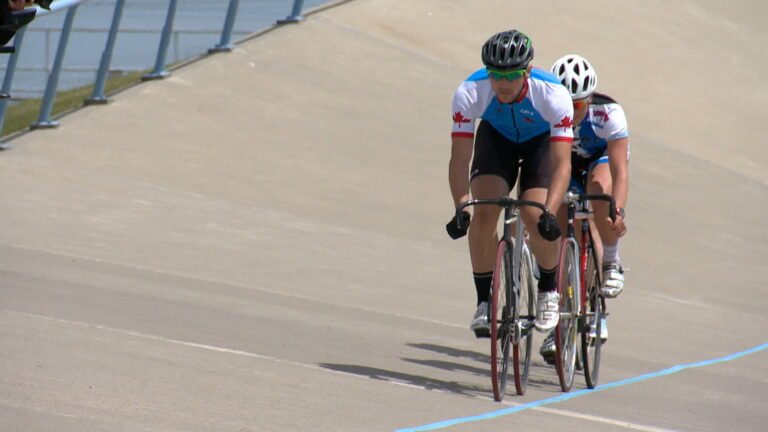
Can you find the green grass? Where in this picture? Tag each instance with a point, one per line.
(20, 116)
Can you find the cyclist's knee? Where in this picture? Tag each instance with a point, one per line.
(600, 180)
(484, 219)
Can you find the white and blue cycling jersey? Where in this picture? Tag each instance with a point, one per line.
(544, 105)
(605, 122)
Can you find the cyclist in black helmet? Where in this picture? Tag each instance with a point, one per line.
(526, 120)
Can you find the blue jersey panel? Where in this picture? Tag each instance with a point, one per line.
(587, 142)
(541, 74)
(519, 122)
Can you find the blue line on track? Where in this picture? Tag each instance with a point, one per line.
(567, 396)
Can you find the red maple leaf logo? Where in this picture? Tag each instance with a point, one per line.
(458, 118)
(603, 115)
(565, 123)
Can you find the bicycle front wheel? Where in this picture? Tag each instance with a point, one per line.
(524, 312)
(501, 318)
(591, 340)
(567, 327)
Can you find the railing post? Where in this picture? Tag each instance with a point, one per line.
(295, 16)
(98, 96)
(10, 70)
(159, 72)
(44, 121)
(225, 45)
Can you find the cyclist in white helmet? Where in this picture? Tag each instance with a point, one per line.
(599, 164)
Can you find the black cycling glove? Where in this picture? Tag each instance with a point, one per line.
(548, 227)
(453, 226)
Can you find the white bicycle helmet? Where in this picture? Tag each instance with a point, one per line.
(576, 74)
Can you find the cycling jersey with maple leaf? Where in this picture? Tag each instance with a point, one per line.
(545, 106)
(604, 122)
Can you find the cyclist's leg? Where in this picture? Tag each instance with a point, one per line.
(491, 178)
(578, 179)
(544, 251)
(483, 235)
(535, 175)
(600, 182)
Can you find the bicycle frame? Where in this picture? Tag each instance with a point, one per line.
(511, 208)
(586, 243)
(589, 305)
(509, 328)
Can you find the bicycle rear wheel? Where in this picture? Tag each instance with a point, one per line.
(501, 318)
(525, 310)
(567, 327)
(592, 322)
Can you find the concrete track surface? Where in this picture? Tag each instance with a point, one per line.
(257, 242)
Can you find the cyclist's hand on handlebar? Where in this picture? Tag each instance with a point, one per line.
(456, 230)
(548, 227)
(618, 225)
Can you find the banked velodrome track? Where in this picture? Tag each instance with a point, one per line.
(256, 243)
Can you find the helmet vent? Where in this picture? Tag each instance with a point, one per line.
(576, 75)
(507, 50)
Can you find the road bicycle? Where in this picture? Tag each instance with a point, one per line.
(582, 308)
(513, 298)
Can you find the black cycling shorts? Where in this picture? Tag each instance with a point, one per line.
(496, 155)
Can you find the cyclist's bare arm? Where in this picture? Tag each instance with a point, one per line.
(560, 152)
(458, 168)
(617, 160)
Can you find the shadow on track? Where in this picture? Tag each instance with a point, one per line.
(542, 376)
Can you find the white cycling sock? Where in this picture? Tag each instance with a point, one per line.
(610, 254)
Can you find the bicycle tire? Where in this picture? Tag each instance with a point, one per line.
(501, 320)
(593, 317)
(525, 304)
(566, 331)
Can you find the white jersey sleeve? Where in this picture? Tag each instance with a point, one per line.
(554, 103)
(466, 110)
(611, 122)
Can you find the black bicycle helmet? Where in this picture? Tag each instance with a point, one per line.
(511, 49)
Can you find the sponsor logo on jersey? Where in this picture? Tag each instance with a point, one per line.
(565, 123)
(602, 115)
(458, 118)
(526, 112)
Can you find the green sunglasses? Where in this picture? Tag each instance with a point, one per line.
(507, 75)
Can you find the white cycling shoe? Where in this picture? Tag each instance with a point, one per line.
(548, 350)
(613, 275)
(480, 323)
(547, 310)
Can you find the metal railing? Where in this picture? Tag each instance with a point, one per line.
(98, 97)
